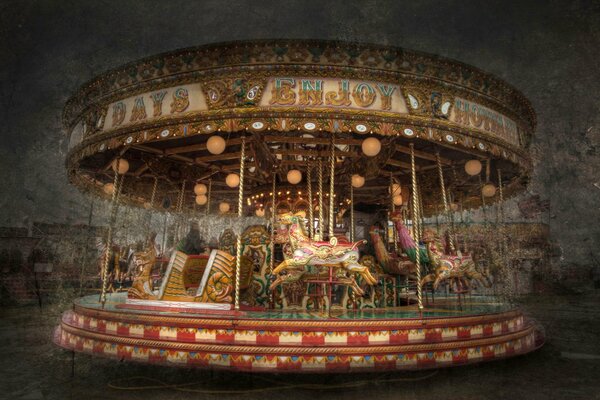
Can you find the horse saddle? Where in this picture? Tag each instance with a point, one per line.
(339, 245)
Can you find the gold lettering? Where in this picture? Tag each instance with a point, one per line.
(282, 92)
(461, 115)
(118, 113)
(311, 92)
(386, 95)
(181, 101)
(341, 97)
(139, 110)
(157, 100)
(475, 115)
(363, 94)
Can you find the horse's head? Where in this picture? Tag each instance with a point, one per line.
(396, 216)
(429, 236)
(291, 218)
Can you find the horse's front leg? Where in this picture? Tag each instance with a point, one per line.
(362, 270)
(282, 266)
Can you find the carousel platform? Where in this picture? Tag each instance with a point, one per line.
(481, 329)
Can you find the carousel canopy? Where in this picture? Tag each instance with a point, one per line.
(166, 115)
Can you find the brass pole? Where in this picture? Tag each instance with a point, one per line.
(240, 212)
(483, 205)
(415, 218)
(501, 193)
(331, 187)
(117, 184)
(502, 217)
(351, 211)
(208, 196)
(310, 202)
(179, 211)
(419, 210)
(445, 199)
(393, 209)
(273, 230)
(153, 195)
(321, 199)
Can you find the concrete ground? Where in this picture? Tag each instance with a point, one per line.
(567, 367)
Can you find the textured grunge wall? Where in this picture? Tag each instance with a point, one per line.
(549, 50)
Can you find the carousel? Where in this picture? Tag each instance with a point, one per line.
(333, 178)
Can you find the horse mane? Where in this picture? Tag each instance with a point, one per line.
(302, 222)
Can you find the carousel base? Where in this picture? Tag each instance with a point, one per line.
(481, 329)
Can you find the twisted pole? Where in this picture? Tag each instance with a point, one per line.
(273, 230)
(351, 211)
(239, 236)
(320, 199)
(445, 199)
(415, 207)
(393, 209)
(117, 184)
(331, 187)
(208, 196)
(310, 202)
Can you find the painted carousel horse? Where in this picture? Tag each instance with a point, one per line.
(309, 253)
(144, 262)
(406, 242)
(447, 266)
(391, 263)
(444, 266)
(121, 266)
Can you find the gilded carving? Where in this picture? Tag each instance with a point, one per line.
(311, 92)
(386, 92)
(341, 97)
(232, 93)
(118, 114)
(180, 101)
(157, 100)
(363, 94)
(282, 92)
(139, 110)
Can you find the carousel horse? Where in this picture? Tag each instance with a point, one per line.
(406, 242)
(391, 263)
(447, 266)
(309, 253)
(144, 262)
(120, 263)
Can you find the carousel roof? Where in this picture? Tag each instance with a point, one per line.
(290, 99)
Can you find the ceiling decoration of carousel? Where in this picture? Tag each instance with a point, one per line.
(178, 119)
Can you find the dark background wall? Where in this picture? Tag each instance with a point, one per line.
(547, 49)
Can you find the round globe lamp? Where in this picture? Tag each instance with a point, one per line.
(473, 167)
(201, 199)
(358, 181)
(488, 190)
(215, 145)
(224, 207)
(371, 146)
(108, 188)
(294, 176)
(396, 189)
(200, 188)
(120, 166)
(232, 180)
